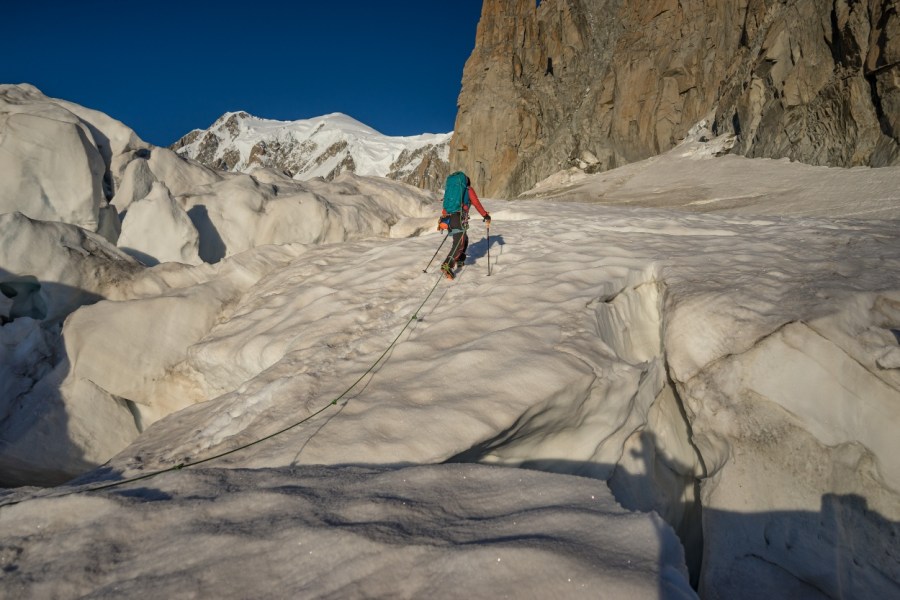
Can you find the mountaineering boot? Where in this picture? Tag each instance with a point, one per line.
(448, 272)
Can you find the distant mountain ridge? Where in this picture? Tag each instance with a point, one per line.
(323, 146)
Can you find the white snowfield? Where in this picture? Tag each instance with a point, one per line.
(683, 178)
(728, 381)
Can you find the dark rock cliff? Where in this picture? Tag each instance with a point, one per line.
(608, 82)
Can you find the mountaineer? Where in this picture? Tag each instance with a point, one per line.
(458, 198)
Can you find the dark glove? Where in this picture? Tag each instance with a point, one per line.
(487, 219)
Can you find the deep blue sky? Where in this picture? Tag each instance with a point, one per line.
(164, 68)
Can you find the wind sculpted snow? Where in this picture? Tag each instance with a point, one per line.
(734, 373)
(607, 342)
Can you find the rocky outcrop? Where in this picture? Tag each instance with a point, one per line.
(610, 82)
(426, 168)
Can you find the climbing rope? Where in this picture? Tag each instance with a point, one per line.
(187, 464)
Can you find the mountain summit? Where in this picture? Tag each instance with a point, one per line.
(323, 146)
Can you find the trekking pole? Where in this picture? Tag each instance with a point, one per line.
(425, 270)
(489, 248)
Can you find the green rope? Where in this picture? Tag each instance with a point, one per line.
(334, 402)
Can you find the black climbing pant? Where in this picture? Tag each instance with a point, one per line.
(457, 255)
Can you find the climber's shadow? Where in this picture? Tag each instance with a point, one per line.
(480, 248)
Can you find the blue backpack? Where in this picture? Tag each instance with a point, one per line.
(455, 192)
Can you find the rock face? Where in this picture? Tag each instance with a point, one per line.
(602, 83)
(321, 147)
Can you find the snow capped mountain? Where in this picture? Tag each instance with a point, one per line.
(324, 146)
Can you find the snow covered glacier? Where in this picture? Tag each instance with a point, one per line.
(660, 359)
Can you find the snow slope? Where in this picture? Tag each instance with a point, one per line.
(736, 374)
(686, 179)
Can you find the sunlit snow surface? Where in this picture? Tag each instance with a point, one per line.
(748, 361)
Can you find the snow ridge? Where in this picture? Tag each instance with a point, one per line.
(323, 146)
